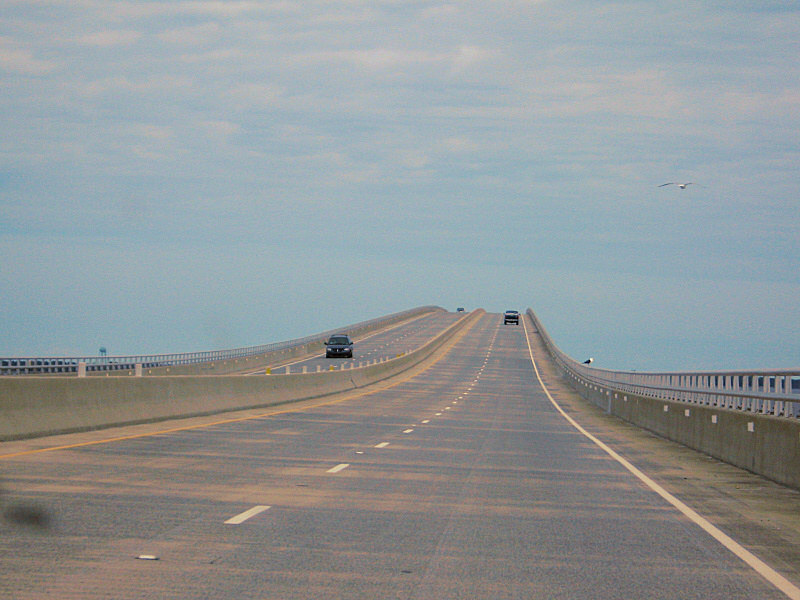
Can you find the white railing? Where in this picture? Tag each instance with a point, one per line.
(61, 364)
(772, 392)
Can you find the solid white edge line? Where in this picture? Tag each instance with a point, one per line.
(762, 568)
(338, 468)
(241, 518)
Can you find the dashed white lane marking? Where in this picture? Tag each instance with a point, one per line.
(241, 518)
(382, 445)
(408, 431)
(759, 566)
(426, 421)
(438, 414)
(338, 468)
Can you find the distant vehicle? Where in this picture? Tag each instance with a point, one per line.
(339, 345)
(459, 309)
(511, 316)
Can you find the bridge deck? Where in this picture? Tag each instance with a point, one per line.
(461, 482)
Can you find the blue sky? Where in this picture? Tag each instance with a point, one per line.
(193, 175)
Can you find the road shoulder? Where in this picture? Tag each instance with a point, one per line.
(760, 514)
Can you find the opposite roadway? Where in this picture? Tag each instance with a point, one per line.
(463, 481)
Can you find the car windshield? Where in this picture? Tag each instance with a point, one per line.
(338, 339)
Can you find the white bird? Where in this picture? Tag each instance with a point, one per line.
(680, 185)
(588, 362)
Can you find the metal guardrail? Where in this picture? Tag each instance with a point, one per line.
(771, 392)
(55, 365)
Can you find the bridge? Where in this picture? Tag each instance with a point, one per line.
(452, 457)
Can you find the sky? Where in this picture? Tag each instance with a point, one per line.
(187, 175)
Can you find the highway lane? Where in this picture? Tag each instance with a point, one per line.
(390, 342)
(463, 482)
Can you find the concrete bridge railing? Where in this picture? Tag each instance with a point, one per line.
(89, 365)
(750, 419)
(770, 392)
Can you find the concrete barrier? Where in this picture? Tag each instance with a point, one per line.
(39, 406)
(766, 445)
(273, 358)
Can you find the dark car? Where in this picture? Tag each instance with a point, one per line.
(339, 345)
(459, 309)
(511, 316)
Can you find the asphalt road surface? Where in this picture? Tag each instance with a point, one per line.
(383, 344)
(463, 482)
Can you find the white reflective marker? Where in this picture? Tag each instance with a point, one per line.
(241, 518)
(338, 468)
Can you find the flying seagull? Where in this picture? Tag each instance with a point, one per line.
(588, 362)
(680, 185)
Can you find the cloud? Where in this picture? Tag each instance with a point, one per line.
(219, 129)
(191, 35)
(460, 145)
(14, 58)
(468, 56)
(107, 39)
(126, 85)
(245, 96)
(220, 8)
(124, 10)
(154, 132)
(390, 58)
